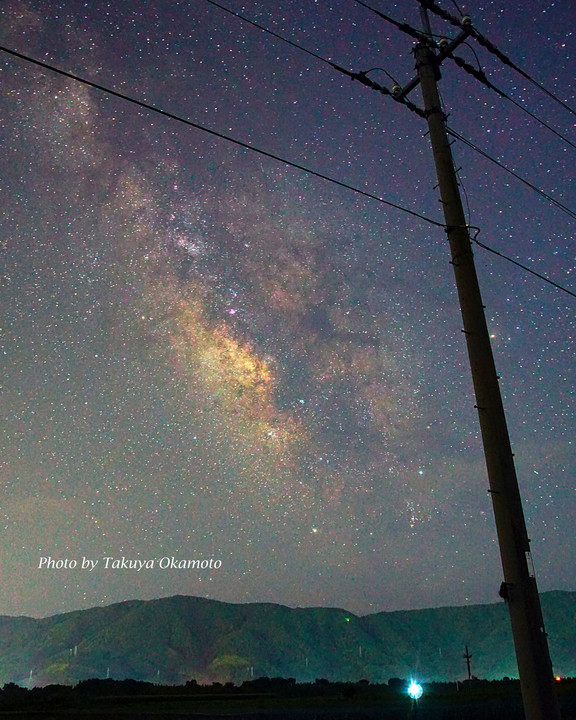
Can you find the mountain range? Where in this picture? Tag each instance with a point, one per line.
(177, 639)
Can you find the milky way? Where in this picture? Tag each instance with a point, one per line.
(209, 354)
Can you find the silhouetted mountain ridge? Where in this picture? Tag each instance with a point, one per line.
(175, 639)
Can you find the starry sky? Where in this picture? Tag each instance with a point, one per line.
(207, 353)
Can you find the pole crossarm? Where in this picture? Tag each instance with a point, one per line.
(485, 43)
(444, 52)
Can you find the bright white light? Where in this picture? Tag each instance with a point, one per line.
(415, 691)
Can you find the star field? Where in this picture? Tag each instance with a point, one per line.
(209, 354)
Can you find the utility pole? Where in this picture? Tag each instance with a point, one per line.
(519, 587)
(468, 657)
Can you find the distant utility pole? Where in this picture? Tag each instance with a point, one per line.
(468, 657)
(519, 588)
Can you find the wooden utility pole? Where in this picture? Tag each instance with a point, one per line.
(519, 587)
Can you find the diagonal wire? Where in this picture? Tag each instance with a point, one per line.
(404, 27)
(277, 36)
(361, 77)
(214, 133)
(431, 5)
(458, 136)
(480, 75)
(203, 128)
(524, 267)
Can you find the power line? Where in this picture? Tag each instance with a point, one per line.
(477, 73)
(472, 227)
(524, 267)
(480, 75)
(197, 126)
(362, 77)
(431, 5)
(404, 27)
(472, 146)
(473, 53)
(277, 36)
(359, 76)
(457, 8)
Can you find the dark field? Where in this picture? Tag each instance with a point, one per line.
(276, 699)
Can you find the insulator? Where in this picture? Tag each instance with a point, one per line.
(466, 21)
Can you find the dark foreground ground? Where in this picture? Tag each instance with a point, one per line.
(274, 699)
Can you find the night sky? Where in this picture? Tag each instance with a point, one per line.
(209, 354)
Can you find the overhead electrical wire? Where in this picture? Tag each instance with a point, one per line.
(477, 73)
(479, 37)
(359, 76)
(458, 136)
(378, 87)
(277, 36)
(404, 27)
(240, 143)
(480, 75)
(363, 77)
(203, 128)
(458, 23)
(470, 47)
(457, 8)
(474, 238)
(524, 267)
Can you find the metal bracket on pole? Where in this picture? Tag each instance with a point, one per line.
(440, 57)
